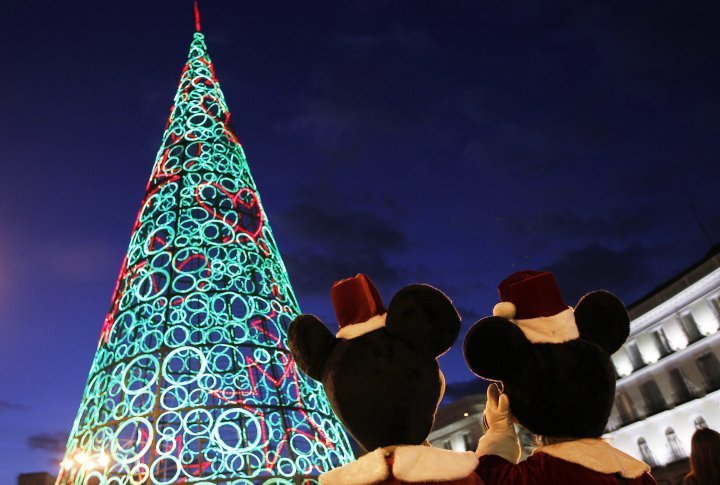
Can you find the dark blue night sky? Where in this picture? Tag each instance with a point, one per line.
(446, 142)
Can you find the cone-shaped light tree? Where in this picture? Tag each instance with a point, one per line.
(192, 381)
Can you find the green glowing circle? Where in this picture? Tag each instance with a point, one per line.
(183, 365)
(140, 431)
(226, 428)
(140, 374)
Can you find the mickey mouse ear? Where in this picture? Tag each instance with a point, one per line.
(310, 344)
(602, 318)
(424, 318)
(494, 348)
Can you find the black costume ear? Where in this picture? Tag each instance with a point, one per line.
(602, 318)
(495, 347)
(424, 318)
(310, 344)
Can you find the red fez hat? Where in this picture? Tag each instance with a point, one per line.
(355, 300)
(534, 294)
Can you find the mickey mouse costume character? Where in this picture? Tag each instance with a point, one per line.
(382, 379)
(558, 381)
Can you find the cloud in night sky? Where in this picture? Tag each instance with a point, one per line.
(11, 406)
(470, 316)
(332, 243)
(611, 224)
(595, 267)
(344, 132)
(396, 37)
(53, 442)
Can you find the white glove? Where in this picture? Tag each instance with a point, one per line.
(500, 437)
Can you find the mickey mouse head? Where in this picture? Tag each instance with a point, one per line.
(380, 371)
(554, 362)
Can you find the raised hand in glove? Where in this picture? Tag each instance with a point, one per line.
(500, 437)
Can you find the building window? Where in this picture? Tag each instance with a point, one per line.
(715, 303)
(687, 321)
(446, 445)
(634, 354)
(661, 342)
(623, 365)
(700, 423)
(614, 421)
(679, 386)
(646, 453)
(654, 401)
(676, 448)
(625, 408)
(710, 370)
(468, 441)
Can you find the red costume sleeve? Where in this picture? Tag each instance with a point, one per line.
(495, 470)
(541, 469)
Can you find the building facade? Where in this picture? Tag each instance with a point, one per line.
(669, 368)
(459, 425)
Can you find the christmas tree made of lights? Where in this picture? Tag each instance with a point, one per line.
(192, 381)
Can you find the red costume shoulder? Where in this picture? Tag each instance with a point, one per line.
(544, 469)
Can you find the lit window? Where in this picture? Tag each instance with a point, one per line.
(623, 366)
(709, 322)
(654, 400)
(687, 321)
(661, 341)
(625, 408)
(710, 369)
(634, 354)
(680, 387)
(648, 347)
(715, 303)
(676, 335)
(646, 453)
(677, 450)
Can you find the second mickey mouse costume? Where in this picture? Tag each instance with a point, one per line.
(382, 379)
(558, 381)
